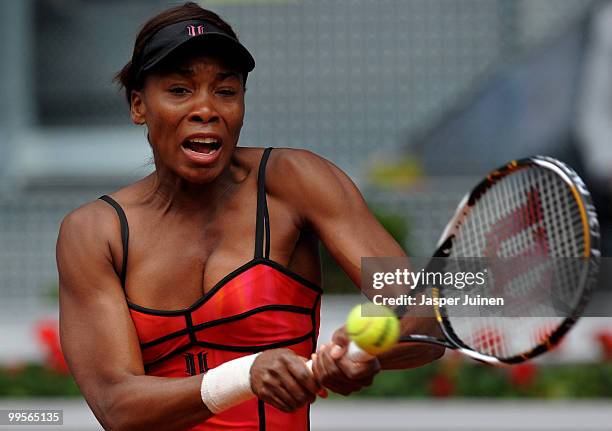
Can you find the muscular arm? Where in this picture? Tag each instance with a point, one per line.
(100, 342)
(330, 204)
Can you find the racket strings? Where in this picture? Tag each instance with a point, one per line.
(530, 226)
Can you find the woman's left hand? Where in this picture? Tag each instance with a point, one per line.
(336, 372)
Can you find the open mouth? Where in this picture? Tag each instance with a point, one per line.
(204, 146)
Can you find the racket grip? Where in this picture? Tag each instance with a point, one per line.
(355, 353)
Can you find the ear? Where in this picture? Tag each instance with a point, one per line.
(137, 108)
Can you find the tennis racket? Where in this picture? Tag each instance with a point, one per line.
(535, 209)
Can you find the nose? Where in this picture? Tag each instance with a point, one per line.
(203, 111)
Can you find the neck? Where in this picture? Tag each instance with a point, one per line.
(174, 194)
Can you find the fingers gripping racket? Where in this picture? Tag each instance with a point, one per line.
(536, 207)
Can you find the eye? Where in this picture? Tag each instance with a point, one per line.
(178, 90)
(227, 92)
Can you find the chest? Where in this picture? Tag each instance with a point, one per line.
(175, 260)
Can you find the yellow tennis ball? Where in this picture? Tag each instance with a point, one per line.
(374, 328)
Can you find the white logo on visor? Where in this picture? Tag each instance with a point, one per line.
(192, 30)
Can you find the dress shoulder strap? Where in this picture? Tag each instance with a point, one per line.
(262, 223)
(125, 234)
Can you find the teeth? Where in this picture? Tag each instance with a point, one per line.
(204, 140)
(206, 145)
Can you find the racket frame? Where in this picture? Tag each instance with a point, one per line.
(590, 226)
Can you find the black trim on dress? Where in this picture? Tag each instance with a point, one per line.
(235, 317)
(125, 234)
(230, 348)
(262, 221)
(261, 413)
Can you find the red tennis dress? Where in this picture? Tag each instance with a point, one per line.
(260, 305)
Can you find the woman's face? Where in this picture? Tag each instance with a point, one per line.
(194, 114)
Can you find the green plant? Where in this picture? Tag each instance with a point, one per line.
(474, 380)
(466, 380)
(33, 380)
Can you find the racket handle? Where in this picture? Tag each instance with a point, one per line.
(355, 353)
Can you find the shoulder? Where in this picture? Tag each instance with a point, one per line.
(282, 160)
(297, 162)
(84, 217)
(289, 168)
(309, 183)
(98, 219)
(87, 228)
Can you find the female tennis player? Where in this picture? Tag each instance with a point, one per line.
(190, 299)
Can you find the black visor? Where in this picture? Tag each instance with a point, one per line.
(170, 38)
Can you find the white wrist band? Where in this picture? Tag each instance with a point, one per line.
(228, 385)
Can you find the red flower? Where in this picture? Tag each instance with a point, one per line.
(604, 338)
(441, 386)
(523, 375)
(47, 333)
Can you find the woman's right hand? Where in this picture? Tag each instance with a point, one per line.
(281, 378)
